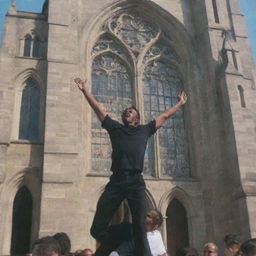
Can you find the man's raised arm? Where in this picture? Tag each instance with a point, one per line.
(83, 87)
(169, 112)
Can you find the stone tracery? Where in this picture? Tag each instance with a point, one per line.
(125, 37)
(133, 30)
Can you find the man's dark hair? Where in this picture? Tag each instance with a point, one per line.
(45, 246)
(64, 242)
(231, 239)
(187, 252)
(249, 247)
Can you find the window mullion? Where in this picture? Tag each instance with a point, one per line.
(31, 48)
(157, 159)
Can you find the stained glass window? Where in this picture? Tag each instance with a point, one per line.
(161, 85)
(27, 45)
(29, 112)
(112, 87)
(36, 47)
(133, 30)
(115, 63)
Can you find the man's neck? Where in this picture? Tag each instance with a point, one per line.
(134, 124)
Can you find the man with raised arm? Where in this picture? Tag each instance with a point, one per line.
(129, 142)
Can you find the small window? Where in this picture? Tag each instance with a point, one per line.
(27, 45)
(36, 47)
(234, 59)
(241, 93)
(215, 11)
(29, 112)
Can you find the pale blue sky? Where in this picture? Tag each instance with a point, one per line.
(248, 8)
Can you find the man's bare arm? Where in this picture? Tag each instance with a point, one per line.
(169, 112)
(83, 87)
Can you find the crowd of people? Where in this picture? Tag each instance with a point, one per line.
(57, 245)
(121, 243)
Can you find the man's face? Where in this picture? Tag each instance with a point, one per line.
(150, 219)
(88, 253)
(234, 248)
(210, 250)
(130, 116)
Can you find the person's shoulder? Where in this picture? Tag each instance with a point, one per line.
(157, 234)
(108, 122)
(150, 126)
(109, 119)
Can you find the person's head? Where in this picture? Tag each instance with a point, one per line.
(232, 243)
(248, 248)
(78, 252)
(210, 249)
(46, 246)
(87, 252)
(154, 219)
(187, 252)
(64, 242)
(131, 116)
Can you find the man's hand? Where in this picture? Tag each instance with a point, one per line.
(182, 97)
(82, 85)
(169, 112)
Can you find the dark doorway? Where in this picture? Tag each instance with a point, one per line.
(21, 222)
(177, 227)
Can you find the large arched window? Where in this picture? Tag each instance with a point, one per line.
(30, 111)
(21, 222)
(112, 86)
(133, 63)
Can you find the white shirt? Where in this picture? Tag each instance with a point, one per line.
(156, 243)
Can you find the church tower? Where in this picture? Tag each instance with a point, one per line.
(55, 157)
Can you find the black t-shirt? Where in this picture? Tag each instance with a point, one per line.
(128, 144)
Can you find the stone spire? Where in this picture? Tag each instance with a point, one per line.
(45, 7)
(12, 9)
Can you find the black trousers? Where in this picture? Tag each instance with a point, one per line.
(120, 187)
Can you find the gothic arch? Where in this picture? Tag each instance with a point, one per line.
(173, 36)
(20, 83)
(30, 178)
(181, 195)
(24, 75)
(32, 30)
(128, 58)
(21, 221)
(36, 35)
(148, 9)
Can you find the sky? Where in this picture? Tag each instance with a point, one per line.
(248, 8)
